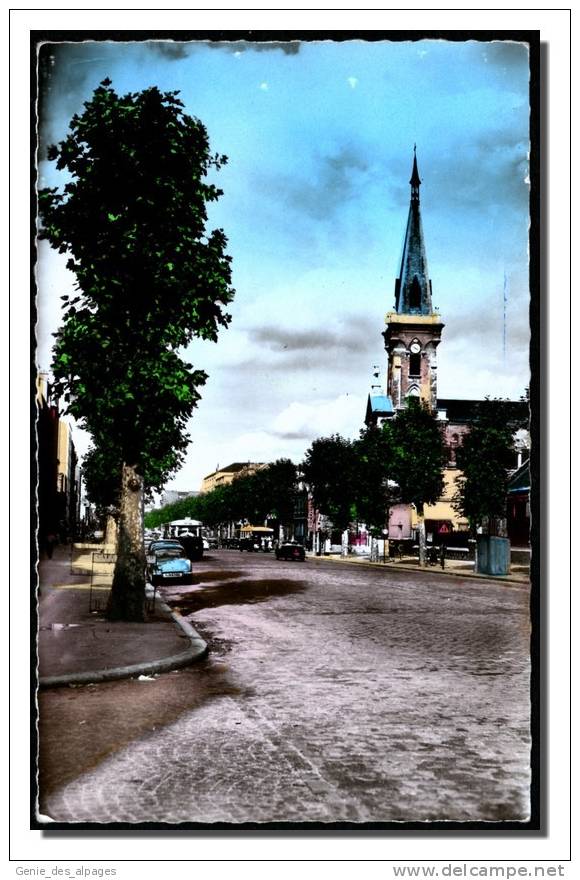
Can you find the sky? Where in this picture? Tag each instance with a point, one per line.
(319, 138)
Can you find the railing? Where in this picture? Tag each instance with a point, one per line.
(102, 569)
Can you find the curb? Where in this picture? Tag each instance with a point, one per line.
(506, 579)
(196, 651)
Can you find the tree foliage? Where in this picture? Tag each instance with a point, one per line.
(330, 470)
(269, 493)
(374, 459)
(149, 278)
(485, 457)
(418, 456)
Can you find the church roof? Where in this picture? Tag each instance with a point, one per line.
(380, 403)
(413, 287)
(466, 410)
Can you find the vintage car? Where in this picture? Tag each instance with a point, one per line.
(161, 544)
(170, 565)
(291, 550)
(193, 546)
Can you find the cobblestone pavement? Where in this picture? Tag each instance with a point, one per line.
(338, 693)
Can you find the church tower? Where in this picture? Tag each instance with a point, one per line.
(413, 329)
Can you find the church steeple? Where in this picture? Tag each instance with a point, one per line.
(412, 287)
(415, 179)
(413, 330)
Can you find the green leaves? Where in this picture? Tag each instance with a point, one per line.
(486, 455)
(150, 277)
(269, 492)
(418, 455)
(330, 469)
(349, 480)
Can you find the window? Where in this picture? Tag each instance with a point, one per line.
(415, 364)
(415, 294)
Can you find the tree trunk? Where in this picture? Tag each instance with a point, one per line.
(128, 593)
(422, 541)
(111, 534)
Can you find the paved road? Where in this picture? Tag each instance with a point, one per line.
(333, 692)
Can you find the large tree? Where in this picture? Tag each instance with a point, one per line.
(373, 470)
(132, 219)
(330, 471)
(418, 460)
(275, 489)
(485, 457)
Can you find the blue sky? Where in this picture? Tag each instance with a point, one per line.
(320, 142)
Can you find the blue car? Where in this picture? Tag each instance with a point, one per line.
(170, 566)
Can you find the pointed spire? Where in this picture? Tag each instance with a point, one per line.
(413, 288)
(415, 179)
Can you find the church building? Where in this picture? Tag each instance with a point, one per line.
(412, 335)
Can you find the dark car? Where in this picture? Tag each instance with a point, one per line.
(231, 544)
(292, 551)
(249, 544)
(170, 565)
(193, 546)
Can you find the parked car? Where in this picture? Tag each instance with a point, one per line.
(248, 544)
(170, 566)
(291, 550)
(194, 545)
(255, 545)
(231, 544)
(155, 546)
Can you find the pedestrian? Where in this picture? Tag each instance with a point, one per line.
(51, 540)
(442, 555)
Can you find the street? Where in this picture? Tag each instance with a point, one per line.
(333, 692)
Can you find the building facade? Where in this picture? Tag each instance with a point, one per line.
(57, 471)
(224, 476)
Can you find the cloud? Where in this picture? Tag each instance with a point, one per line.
(291, 47)
(172, 50)
(491, 174)
(352, 333)
(352, 81)
(343, 415)
(264, 86)
(331, 182)
(320, 356)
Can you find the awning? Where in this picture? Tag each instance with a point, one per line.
(248, 529)
(185, 522)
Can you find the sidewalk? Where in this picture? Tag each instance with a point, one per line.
(77, 646)
(519, 574)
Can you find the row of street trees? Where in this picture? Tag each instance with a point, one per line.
(269, 493)
(403, 462)
(149, 279)
(358, 480)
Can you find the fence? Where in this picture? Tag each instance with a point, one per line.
(102, 568)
